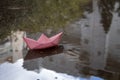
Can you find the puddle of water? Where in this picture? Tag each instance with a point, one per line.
(19, 73)
(89, 49)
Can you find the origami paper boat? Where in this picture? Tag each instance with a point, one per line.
(43, 41)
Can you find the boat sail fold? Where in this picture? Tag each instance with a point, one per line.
(43, 41)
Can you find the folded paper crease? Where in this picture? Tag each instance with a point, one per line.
(43, 41)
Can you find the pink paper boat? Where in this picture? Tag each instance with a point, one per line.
(43, 41)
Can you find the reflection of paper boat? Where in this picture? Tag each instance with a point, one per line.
(33, 54)
(43, 41)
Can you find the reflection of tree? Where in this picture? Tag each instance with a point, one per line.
(31, 15)
(118, 10)
(106, 9)
(53, 13)
(11, 12)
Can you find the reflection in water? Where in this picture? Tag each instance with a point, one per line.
(16, 70)
(106, 10)
(93, 39)
(34, 58)
(87, 50)
(36, 15)
(33, 54)
(10, 51)
(107, 7)
(55, 58)
(113, 43)
(100, 52)
(17, 40)
(11, 14)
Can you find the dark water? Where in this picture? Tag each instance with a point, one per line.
(89, 49)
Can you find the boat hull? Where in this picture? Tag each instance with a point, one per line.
(43, 42)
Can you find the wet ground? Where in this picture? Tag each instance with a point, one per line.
(89, 50)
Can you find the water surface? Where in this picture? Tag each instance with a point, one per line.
(89, 49)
